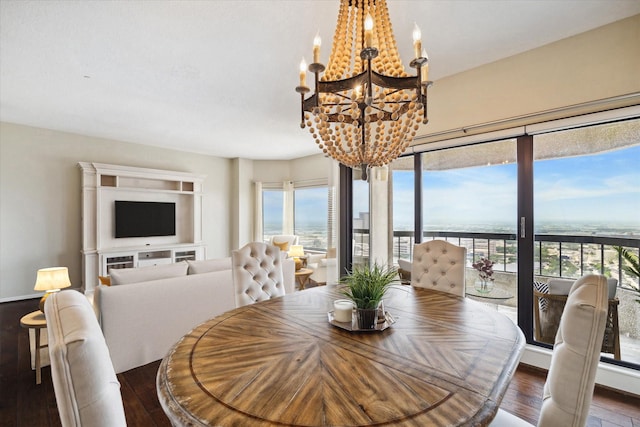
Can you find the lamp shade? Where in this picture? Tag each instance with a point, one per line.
(52, 278)
(296, 251)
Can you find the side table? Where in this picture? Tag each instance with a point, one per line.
(35, 321)
(302, 277)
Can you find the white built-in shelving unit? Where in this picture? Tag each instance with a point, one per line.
(103, 184)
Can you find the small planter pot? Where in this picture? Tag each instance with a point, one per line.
(367, 318)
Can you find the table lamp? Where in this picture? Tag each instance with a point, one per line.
(50, 280)
(297, 253)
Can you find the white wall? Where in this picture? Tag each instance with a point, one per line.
(595, 65)
(306, 168)
(40, 198)
(242, 202)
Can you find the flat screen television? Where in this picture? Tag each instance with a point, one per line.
(145, 219)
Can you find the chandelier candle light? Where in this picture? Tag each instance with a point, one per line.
(365, 109)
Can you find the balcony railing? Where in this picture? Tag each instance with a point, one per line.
(555, 255)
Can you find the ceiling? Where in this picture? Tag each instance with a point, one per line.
(218, 77)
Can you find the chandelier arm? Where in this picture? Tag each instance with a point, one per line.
(398, 83)
(342, 85)
(310, 103)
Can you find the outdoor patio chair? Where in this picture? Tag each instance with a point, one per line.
(549, 302)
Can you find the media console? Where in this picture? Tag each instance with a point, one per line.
(103, 185)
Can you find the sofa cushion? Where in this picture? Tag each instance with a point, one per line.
(144, 274)
(86, 387)
(209, 265)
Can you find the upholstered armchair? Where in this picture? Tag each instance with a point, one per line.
(439, 265)
(323, 266)
(549, 302)
(84, 382)
(569, 387)
(284, 241)
(257, 273)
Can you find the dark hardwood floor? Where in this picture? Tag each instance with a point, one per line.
(23, 403)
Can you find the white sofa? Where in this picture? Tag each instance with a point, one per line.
(146, 310)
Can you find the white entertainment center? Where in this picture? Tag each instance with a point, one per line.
(103, 185)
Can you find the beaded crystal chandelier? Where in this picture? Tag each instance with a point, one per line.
(365, 109)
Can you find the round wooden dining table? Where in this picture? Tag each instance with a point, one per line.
(446, 361)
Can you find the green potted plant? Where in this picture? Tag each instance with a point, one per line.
(631, 266)
(366, 287)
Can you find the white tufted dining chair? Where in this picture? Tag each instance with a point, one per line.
(84, 382)
(569, 387)
(257, 273)
(439, 265)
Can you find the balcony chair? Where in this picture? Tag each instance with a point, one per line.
(439, 265)
(84, 382)
(404, 271)
(257, 273)
(284, 241)
(549, 301)
(571, 379)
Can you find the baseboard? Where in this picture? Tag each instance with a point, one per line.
(31, 296)
(21, 298)
(610, 376)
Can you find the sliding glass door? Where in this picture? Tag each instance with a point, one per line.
(587, 201)
(469, 198)
(402, 178)
(361, 224)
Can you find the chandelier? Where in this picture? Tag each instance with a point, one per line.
(365, 109)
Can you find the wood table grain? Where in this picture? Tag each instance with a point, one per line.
(445, 362)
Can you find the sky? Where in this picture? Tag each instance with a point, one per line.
(596, 189)
(602, 188)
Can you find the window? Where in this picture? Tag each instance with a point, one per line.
(311, 217)
(402, 177)
(470, 199)
(361, 226)
(586, 200)
(272, 213)
(305, 211)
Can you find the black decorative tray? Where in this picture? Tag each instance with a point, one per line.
(353, 325)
